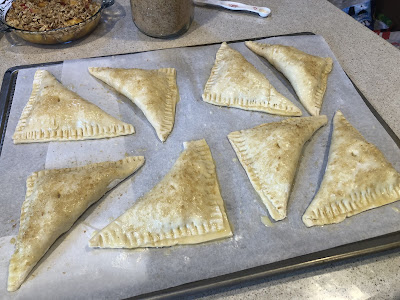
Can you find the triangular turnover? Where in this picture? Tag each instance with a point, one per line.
(308, 74)
(54, 200)
(155, 92)
(237, 83)
(270, 153)
(54, 113)
(185, 207)
(357, 178)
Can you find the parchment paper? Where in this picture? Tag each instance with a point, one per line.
(71, 269)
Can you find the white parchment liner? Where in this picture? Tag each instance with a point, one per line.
(71, 269)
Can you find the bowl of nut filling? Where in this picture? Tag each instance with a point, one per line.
(51, 21)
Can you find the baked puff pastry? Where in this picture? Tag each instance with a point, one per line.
(54, 201)
(236, 82)
(357, 178)
(155, 92)
(54, 113)
(307, 74)
(185, 207)
(270, 153)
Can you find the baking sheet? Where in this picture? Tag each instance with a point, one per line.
(71, 269)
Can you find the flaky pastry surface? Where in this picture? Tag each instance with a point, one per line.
(155, 92)
(54, 200)
(237, 83)
(54, 113)
(357, 178)
(270, 153)
(185, 207)
(307, 73)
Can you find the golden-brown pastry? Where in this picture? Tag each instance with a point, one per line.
(236, 82)
(185, 207)
(270, 154)
(54, 201)
(357, 178)
(308, 74)
(154, 91)
(54, 113)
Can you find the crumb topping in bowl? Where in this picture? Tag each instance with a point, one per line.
(42, 15)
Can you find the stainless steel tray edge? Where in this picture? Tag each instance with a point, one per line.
(344, 252)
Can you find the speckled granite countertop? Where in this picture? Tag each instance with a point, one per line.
(372, 64)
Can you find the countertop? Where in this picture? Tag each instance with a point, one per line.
(371, 63)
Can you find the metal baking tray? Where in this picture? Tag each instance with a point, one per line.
(351, 250)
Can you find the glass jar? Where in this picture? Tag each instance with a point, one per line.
(162, 18)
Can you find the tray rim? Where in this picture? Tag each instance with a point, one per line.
(378, 244)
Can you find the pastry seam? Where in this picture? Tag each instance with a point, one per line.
(163, 238)
(87, 132)
(170, 102)
(322, 84)
(354, 203)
